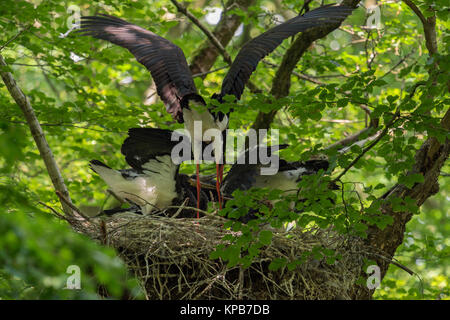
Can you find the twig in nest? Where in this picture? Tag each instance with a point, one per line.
(241, 283)
(103, 231)
(181, 208)
(191, 208)
(146, 202)
(219, 276)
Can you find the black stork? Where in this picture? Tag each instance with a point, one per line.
(243, 175)
(169, 69)
(153, 182)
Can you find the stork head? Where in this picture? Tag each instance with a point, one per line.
(220, 118)
(192, 99)
(194, 110)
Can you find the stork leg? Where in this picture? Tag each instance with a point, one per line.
(218, 182)
(219, 175)
(197, 166)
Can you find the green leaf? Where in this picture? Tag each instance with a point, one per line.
(411, 179)
(277, 264)
(265, 237)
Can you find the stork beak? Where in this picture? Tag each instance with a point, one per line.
(218, 183)
(197, 169)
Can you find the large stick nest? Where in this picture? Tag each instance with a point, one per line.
(171, 257)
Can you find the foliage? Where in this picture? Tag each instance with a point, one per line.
(38, 252)
(87, 106)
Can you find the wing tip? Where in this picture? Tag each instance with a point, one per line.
(90, 25)
(97, 163)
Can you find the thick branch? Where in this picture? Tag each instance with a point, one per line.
(38, 135)
(205, 30)
(223, 33)
(416, 10)
(429, 27)
(429, 160)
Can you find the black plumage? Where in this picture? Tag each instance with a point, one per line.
(165, 61)
(256, 49)
(153, 182)
(169, 69)
(243, 176)
(143, 144)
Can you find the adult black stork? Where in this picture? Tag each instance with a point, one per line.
(153, 182)
(244, 175)
(169, 69)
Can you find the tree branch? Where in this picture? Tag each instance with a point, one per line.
(202, 74)
(429, 160)
(416, 10)
(69, 203)
(223, 33)
(253, 88)
(282, 80)
(350, 139)
(205, 30)
(429, 27)
(368, 148)
(297, 74)
(38, 136)
(397, 64)
(14, 38)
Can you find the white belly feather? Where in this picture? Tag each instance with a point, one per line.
(284, 180)
(152, 190)
(207, 120)
(191, 119)
(162, 177)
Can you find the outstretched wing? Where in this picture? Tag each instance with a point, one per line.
(256, 49)
(165, 61)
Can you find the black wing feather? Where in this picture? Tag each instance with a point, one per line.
(242, 174)
(165, 61)
(144, 144)
(256, 49)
